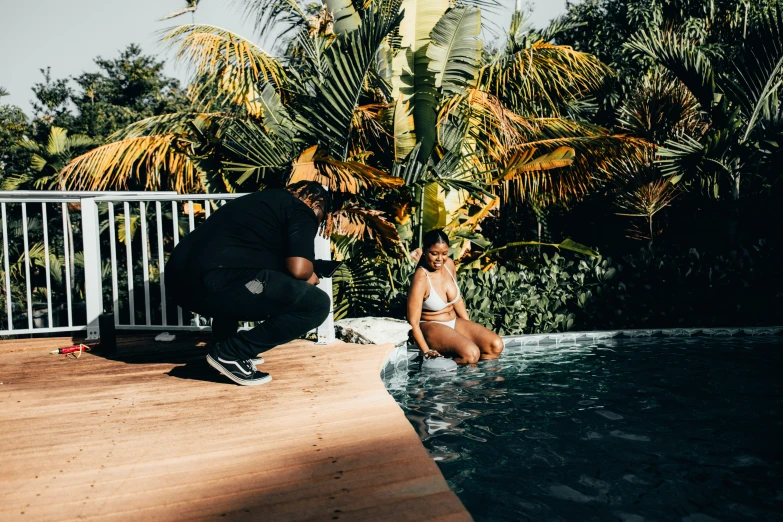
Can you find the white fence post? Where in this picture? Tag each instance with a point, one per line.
(326, 330)
(93, 291)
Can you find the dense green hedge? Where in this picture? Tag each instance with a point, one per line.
(643, 290)
(549, 297)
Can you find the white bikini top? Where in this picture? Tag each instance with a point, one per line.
(434, 303)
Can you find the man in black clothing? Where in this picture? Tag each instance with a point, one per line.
(253, 260)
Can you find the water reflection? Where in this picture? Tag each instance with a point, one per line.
(639, 429)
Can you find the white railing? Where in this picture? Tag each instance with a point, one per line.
(40, 248)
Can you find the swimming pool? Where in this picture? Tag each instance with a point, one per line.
(629, 429)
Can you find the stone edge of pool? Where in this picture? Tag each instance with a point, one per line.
(394, 369)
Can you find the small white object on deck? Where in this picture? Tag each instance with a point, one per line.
(165, 337)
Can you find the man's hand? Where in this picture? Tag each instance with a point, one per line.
(314, 280)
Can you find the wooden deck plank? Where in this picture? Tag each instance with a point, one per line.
(156, 433)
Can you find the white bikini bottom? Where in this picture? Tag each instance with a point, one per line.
(451, 324)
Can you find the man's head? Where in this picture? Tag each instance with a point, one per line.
(314, 195)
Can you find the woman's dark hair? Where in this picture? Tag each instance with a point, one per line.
(433, 237)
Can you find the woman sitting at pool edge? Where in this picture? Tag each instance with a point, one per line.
(436, 312)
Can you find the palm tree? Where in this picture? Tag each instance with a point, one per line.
(47, 160)
(739, 106)
(391, 103)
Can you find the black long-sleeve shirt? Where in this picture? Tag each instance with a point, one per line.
(259, 230)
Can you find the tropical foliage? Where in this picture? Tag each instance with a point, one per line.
(396, 106)
(624, 120)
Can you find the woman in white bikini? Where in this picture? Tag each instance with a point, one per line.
(437, 314)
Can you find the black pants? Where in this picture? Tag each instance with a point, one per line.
(288, 307)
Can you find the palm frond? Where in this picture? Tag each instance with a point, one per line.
(542, 77)
(522, 162)
(175, 123)
(270, 15)
(708, 164)
(368, 127)
(147, 158)
(412, 79)
(254, 150)
(759, 70)
(227, 67)
(327, 115)
(659, 109)
(366, 225)
(682, 57)
(479, 121)
(455, 50)
(593, 154)
(340, 176)
(404, 130)
(275, 115)
(360, 284)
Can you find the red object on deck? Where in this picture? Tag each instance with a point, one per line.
(75, 348)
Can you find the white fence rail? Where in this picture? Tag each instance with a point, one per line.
(54, 282)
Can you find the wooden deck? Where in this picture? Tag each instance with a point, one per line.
(156, 434)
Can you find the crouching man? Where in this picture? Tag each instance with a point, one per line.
(252, 260)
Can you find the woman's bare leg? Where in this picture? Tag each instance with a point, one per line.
(449, 342)
(489, 343)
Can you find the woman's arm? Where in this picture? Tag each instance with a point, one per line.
(415, 299)
(459, 307)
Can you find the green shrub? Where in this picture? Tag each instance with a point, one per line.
(550, 297)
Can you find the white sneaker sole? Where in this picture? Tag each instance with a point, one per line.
(242, 382)
(258, 360)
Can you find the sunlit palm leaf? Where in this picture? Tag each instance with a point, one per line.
(542, 77)
(593, 155)
(227, 67)
(455, 50)
(154, 160)
(404, 130)
(276, 118)
(434, 212)
(175, 123)
(412, 78)
(366, 225)
(485, 124)
(340, 176)
(522, 162)
(327, 116)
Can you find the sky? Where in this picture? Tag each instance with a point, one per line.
(68, 35)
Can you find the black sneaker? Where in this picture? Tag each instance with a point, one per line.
(242, 372)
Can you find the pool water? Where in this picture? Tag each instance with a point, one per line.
(686, 429)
